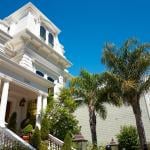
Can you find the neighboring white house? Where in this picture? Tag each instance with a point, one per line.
(32, 62)
(116, 117)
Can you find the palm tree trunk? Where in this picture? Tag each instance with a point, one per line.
(92, 120)
(139, 124)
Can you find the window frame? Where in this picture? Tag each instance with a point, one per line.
(43, 35)
(50, 39)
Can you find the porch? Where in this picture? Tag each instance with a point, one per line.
(23, 100)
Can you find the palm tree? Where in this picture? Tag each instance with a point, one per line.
(128, 77)
(86, 87)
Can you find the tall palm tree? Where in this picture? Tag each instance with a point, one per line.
(87, 87)
(128, 77)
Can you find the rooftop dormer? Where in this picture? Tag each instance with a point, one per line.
(30, 18)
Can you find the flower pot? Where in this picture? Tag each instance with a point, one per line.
(26, 138)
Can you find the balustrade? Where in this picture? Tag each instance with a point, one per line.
(55, 143)
(10, 141)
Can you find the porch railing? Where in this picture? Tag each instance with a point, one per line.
(10, 141)
(54, 143)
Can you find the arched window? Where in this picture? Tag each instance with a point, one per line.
(50, 79)
(39, 73)
(50, 39)
(43, 33)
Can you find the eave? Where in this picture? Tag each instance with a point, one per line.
(29, 37)
(25, 73)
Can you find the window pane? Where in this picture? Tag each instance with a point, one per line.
(43, 32)
(39, 73)
(50, 39)
(50, 79)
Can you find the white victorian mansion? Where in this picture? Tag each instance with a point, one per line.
(32, 62)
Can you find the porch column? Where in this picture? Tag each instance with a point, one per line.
(44, 103)
(38, 112)
(3, 104)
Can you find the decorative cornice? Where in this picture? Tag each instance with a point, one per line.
(25, 72)
(29, 7)
(27, 35)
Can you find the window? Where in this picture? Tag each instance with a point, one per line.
(50, 39)
(43, 33)
(50, 79)
(40, 73)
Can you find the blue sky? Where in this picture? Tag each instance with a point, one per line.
(87, 24)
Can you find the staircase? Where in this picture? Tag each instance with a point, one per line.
(10, 141)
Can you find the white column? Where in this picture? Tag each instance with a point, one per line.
(44, 103)
(58, 86)
(38, 112)
(3, 104)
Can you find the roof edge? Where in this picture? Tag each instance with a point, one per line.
(32, 7)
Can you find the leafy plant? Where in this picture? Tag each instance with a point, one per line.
(62, 121)
(67, 142)
(30, 119)
(43, 145)
(60, 117)
(28, 129)
(36, 138)
(44, 128)
(128, 138)
(102, 147)
(66, 100)
(12, 124)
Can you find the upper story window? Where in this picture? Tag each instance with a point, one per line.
(43, 33)
(50, 39)
(40, 73)
(50, 79)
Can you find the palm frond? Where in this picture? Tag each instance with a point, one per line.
(101, 110)
(128, 65)
(145, 86)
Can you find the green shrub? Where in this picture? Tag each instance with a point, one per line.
(36, 138)
(44, 128)
(128, 138)
(44, 145)
(67, 142)
(102, 147)
(94, 147)
(62, 122)
(28, 129)
(12, 124)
